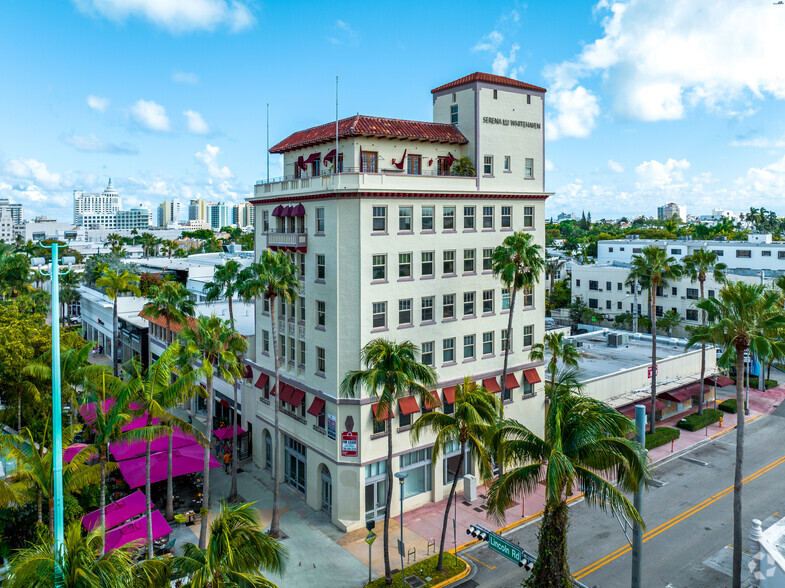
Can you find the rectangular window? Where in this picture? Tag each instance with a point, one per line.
(495, 94)
(320, 220)
(675, 251)
(692, 293)
(608, 286)
(282, 346)
(448, 350)
(529, 168)
(291, 350)
(468, 217)
(505, 299)
(427, 353)
(417, 465)
(487, 259)
(660, 312)
(711, 293)
(780, 254)
(302, 265)
(379, 218)
(593, 303)
(506, 163)
(503, 340)
(487, 301)
(487, 343)
(427, 309)
(468, 303)
(468, 347)
(692, 314)
(449, 262)
(404, 420)
(379, 267)
(368, 162)
(321, 313)
(743, 253)
(321, 362)
(266, 341)
(266, 306)
(320, 267)
(618, 305)
(302, 354)
(487, 165)
(448, 218)
(454, 114)
(427, 218)
(414, 164)
(448, 306)
(427, 263)
(528, 217)
(404, 218)
(528, 98)
(468, 259)
(607, 305)
(302, 309)
(266, 221)
(379, 315)
(765, 253)
(442, 167)
(316, 167)
(528, 335)
(506, 217)
(720, 253)
(405, 312)
(594, 285)
(674, 291)
(404, 265)
(487, 217)
(528, 296)
(619, 286)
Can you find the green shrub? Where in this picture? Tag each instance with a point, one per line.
(728, 405)
(661, 436)
(695, 421)
(754, 382)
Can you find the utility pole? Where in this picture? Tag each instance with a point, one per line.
(635, 305)
(637, 531)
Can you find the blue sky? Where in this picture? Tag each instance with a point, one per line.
(648, 102)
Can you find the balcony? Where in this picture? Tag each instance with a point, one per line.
(291, 241)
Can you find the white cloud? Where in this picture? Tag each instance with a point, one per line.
(182, 77)
(615, 166)
(150, 115)
(761, 142)
(196, 124)
(653, 175)
(177, 16)
(34, 171)
(575, 111)
(92, 144)
(502, 63)
(209, 158)
(97, 103)
(343, 34)
(489, 42)
(549, 166)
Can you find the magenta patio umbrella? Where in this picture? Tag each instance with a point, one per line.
(137, 531)
(70, 452)
(139, 422)
(116, 512)
(185, 460)
(88, 410)
(130, 449)
(226, 432)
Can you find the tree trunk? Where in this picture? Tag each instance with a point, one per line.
(388, 502)
(703, 348)
(103, 498)
(551, 568)
(169, 511)
(737, 478)
(653, 356)
(114, 338)
(233, 489)
(440, 564)
(149, 496)
(507, 352)
(19, 411)
(206, 475)
(274, 525)
(40, 506)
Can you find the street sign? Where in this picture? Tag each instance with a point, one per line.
(656, 370)
(370, 538)
(401, 548)
(505, 548)
(349, 443)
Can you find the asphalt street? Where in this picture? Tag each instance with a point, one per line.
(688, 515)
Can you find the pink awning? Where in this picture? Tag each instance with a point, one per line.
(137, 531)
(683, 393)
(226, 432)
(71, 451)
(140, 422)
(277, 210)
(130, 449)
(629, 410)
(185, 460)
(329, 156)
(117, 512)
(313, 157)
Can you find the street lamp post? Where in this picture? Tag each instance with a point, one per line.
(747, 361)
(401, 477)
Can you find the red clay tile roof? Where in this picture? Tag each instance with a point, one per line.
(372, 126)
(489, 78)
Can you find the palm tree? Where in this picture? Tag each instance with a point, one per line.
(149, 244)
(697, 266)
(654, 267)
(115, 284)
(273, 277)
(518, 263)
(559, 349)
(463, 167)
(84, 565)
(69, 293)
(213, 343)
(474, 412)
(583, 437)
(553, 265)
(226, 284)
(169, 247)
(14, 274)
(391, 372)
(237, 554)
(739, 319)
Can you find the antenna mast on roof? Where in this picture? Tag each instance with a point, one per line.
(268, 142)
(335, 159)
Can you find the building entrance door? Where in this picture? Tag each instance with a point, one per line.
(295, 464)
(327, 491)
(375, 497)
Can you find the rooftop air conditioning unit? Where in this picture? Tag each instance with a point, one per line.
(618, 339)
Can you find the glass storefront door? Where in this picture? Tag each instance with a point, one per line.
(375, 497)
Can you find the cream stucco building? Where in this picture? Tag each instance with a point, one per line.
(390, 244)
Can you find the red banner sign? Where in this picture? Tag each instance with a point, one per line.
(349, 443)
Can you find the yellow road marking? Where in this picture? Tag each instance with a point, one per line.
(668, 524)
(479, 562)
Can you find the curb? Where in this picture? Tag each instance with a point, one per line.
(450, 581)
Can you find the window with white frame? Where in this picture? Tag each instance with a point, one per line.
(487, 165)
(379, 218)
(468, 260)
(405, 311)
(448, 306)
(427, 218)
(506, 217)
(448, 266)
(302, 309)
(320, 267)
(468, 346)
(379, 267)
(266, 221)
(487, 301)
(507, 163)
(503, 340)
(321, 362)
(487, 343)
(468, 303)
(321, 313)
(266, 341)
(452, 454)
(291, 350)
(379, 315)
(427, 353)
(487, 259)
(528, 335)
(487, 217)
(468, 217)
(320, 220)
(426, 267)
(448, 350)
(282, 346)
(454, 114)
(301, 361)
(417, 465)
(404, 218)
(505, 299)
(448, 218)
(528, 296)
(427, 309)
(266, 306)
(529, 168)
(528, 217)
(302, 265)
(404, 265)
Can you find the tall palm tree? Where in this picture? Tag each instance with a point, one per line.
(273, 277)
(559, 350)
(14, 274)
(115, 284)
(697, 266)
(213, 343)
(69, 293)
(518, 263)
(582, 438)
(237, 554)
(226, 284)
(739, 319)
(553, 265)
(475, 410)
(83, 565)
(391, 371)
(654, 267)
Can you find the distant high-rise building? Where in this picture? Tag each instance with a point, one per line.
(100, 208)
(672, 210)
(11, 210)
(242, 215)
(218, 215)
(168, 213)
(136, 218)
(197, 210)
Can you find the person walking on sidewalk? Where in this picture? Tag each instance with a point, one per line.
(227, 461)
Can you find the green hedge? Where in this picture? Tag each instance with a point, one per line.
(695, 421)
(661, 436)
(728, 405)
(754, 382)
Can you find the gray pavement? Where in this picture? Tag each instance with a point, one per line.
(689, 519)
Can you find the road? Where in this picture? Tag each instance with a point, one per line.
(689, 519)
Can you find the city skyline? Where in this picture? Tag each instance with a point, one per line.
(169, 99)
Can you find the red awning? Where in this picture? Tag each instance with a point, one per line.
(260, 383)
(431, 400)
(683, 393)
(297, 397)
(629, 410)
(224, 403)
(248, 373)
(491, 385)
(380, 417)
(286, 392)
(272, 389)
(719, 381)
(511, 383)
(278, 210)
(301, 249)
(316, 406)
(449, 394)
(287, 211)
(298, 210)
(408, 405)
(313, 157)
(329, 156)
(532, 376)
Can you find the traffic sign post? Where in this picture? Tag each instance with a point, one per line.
(505, 548)
(370, 538)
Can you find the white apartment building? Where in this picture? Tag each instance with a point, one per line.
(218, 215)
(242, 215)
(14, 211)
(136, 218)
(672, 210)
(197, 210)
(393, 246)
(168, 213)
(6, 229)
(94, 207)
